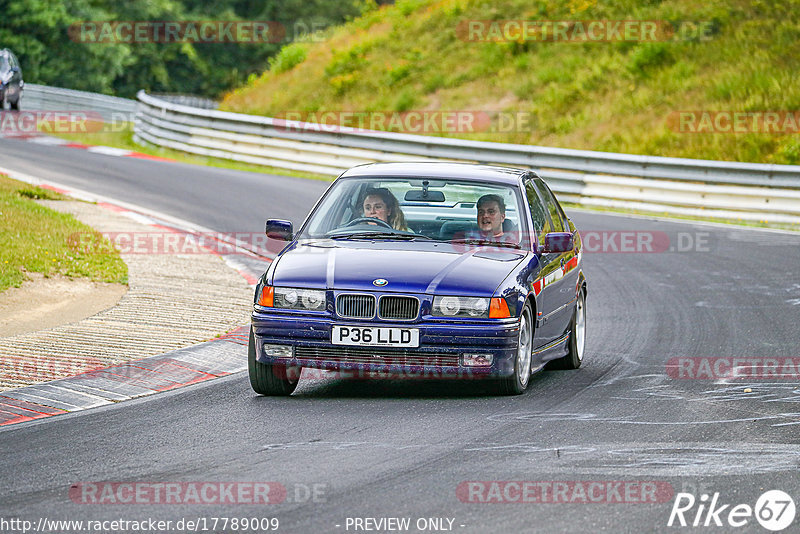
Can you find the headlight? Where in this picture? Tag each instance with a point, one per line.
(299, 299)
(460, 307)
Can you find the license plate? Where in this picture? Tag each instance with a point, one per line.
(375, 336)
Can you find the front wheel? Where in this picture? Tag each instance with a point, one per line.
(518, 382)
(577, 338)
(270, 378)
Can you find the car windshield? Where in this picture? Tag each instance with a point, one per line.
(4, 63)
(418, 209)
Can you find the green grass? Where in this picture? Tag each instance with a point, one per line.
(37, 239)
(123, 138)
(610, 96)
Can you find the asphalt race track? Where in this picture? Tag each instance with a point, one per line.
(349, 449)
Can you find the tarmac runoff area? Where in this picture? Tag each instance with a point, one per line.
(147, 342)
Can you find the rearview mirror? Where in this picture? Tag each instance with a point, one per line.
(423, 195)
(558, 242)
(279, 229)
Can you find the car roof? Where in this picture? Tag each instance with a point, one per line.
(460, 171)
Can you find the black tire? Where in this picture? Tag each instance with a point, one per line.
(270, 379)
(517, 383)
(574, 356)
(15, 105)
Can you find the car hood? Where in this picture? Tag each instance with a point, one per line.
(417, 267)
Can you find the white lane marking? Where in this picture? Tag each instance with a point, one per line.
(242, 268)
(108, 151)
(138, 217)
(46, 140)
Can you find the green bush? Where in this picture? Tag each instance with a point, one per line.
(649, 56)
(288, 58)
(434, 82)
(790, 150)
(347, 61)
(405, 101)
(398, 73)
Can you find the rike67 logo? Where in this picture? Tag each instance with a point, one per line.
(774, 510)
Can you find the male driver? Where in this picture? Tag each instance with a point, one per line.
(491, 214)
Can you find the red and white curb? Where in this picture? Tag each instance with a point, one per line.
(42, 139)
(206, 361)
(183, 367)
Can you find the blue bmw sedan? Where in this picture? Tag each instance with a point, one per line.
(423, 269)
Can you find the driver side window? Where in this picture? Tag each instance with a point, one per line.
(541, 221)
(556, 215)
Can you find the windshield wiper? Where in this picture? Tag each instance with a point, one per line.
(380, 235)
(487, 242)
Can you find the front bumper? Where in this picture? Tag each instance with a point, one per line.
(442, 344)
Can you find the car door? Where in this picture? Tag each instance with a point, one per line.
(546, 283)
(567, 272)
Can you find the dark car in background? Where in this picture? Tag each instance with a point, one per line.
(454, 288)
(11, 83)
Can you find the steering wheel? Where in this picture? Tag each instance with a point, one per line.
(359, 220)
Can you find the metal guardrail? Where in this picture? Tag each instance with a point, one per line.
(45, 98)
(188, 100)
(748, 191)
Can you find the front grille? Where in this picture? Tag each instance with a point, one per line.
(398, 308)
(355, 306)
(376, 355)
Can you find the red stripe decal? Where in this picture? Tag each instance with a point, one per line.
(537, 286)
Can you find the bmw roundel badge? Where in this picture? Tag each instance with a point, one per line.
(380, 282)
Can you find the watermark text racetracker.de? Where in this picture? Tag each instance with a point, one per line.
(411, 121)
(195, 492)
(644, 241)
(22, 369)
(169, 242)
(742, 368)
(734, 122)
(222, 243)
(184, 31)
(33, 122)
(196, 31)
(565, 491)
(614, 241)
(583, 31)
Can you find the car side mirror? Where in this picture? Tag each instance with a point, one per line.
(279, 229)
(558, 242)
